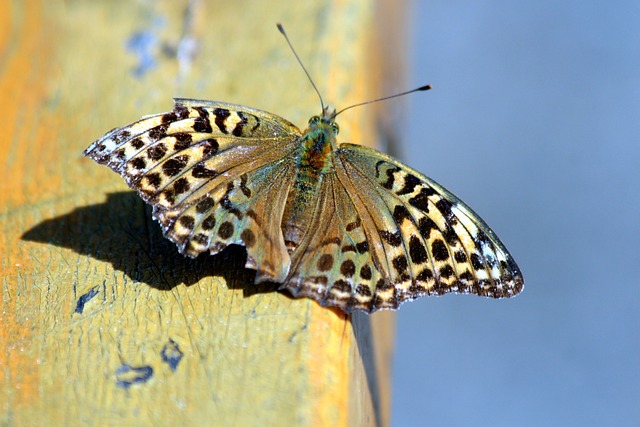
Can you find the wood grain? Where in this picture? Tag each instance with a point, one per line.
(102, 321)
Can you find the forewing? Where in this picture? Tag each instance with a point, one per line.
(215, 174)
(432, 242)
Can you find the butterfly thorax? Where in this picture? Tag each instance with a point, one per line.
(313, 161)
(314, 157)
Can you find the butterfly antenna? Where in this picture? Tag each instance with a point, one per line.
(281, 29)
(421, 88)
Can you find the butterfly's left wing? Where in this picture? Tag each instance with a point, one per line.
(215, 173)
(386, 234)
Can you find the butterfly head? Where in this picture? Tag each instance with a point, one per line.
(326, 121)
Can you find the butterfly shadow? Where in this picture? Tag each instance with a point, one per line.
(122, 232)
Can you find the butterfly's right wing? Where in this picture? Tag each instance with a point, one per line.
(433, 242)
(215, 173)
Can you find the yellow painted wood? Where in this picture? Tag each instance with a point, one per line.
(102, 322)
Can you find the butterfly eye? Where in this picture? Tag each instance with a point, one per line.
(314, 120)
(335, 128)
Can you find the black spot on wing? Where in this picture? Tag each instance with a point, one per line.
(138, 163)
(363, 290)
(243, 186)
(476, 262)
(388, 184)
(325, 262)
(158, 132)
(200, 171)
(365, 272)
(348, 268)
(181, 186)
(200, 238)
(137, 143)
(226, 230)
(342, 286)
(209, 147)
(229, 207)
(460, 256)
(202, 125)
(481, 237)
(121, 136)
(248, 237)
(362, 247)
(439, 250)
(169, 117)
(181, 112)
(121, 154)
(400, 213)
(444, 206)
(400, 263)
(209, 222)
(450, 235)
(174, 166)
(205, 204)
(187, 221)
(421, 200)
(417, 251)
(383, 285)
(330, 241)
(446, 271)
(221, 115)
(394, 239)
(153, 180)
(202, 112)
(156, 152)
(183, 140)
(410, 183)
(466, 276)
(353, 225)
(425, 275)
(425, 225)
(238, 129)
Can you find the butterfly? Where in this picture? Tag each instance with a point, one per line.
(343, 224)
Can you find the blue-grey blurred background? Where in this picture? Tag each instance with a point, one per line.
(534, 121)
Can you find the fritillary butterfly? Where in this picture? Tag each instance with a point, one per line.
(343, 224)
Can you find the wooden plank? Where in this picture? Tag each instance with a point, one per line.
(101, 320)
